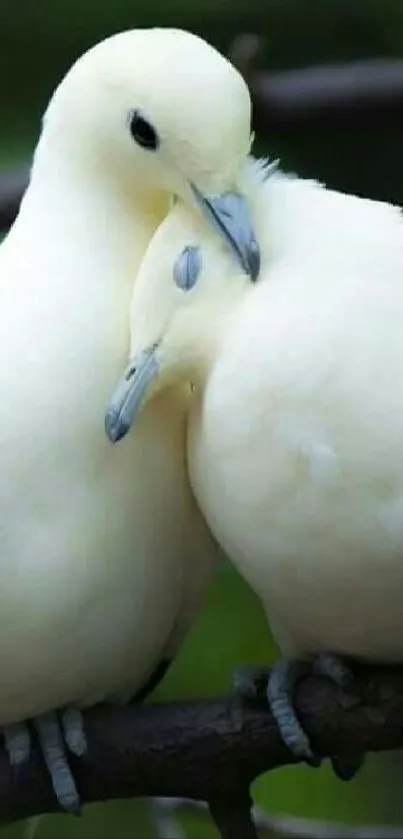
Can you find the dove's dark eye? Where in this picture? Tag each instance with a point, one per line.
(143, 132)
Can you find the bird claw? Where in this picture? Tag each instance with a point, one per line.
(17, 741)
(283, 678)
(73, 731)
(250, 682)
(53, 736)
(279, 684)
(334, 668)
(347, 768)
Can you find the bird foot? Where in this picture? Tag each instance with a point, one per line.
(279, 685)
(57, 734)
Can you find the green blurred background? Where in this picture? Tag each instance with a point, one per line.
(39, 39)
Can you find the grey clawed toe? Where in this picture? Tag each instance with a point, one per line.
(280, 685)
(56, 737)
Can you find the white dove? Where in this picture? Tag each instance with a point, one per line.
(104, 552)
(295, 443)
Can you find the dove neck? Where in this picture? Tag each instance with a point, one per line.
(92, 219)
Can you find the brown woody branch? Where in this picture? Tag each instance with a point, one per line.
(211, 750)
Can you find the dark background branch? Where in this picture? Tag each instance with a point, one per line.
(333, 94)
(349, 91)
(210, 750)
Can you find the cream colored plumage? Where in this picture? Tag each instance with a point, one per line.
(296, 439)
(104, 553)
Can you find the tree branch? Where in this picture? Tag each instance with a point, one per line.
(355, 91)
(232, 815)
(358, 90)
(210, 750)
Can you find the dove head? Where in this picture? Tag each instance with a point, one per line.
(157, 110)
(186, 293)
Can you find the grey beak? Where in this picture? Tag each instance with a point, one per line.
(126, 399)
(229, 214)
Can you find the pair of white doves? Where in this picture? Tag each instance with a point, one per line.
(274, 394)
